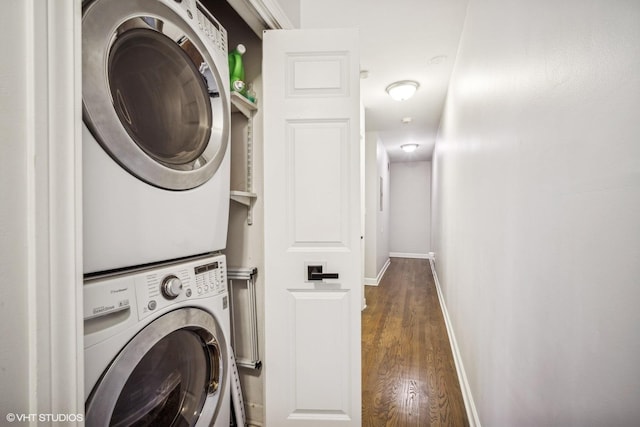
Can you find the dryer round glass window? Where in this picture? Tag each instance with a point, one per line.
(159, 96)
(152, 92)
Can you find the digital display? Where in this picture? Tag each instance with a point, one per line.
(208, 267)
(206, 14)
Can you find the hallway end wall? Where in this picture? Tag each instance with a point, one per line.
(536, 212)
(410, 209)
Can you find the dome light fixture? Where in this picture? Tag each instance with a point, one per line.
(409, 148)
(402, 90)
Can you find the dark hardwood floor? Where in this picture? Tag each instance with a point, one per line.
(408, 373)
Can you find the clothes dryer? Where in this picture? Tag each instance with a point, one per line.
(155, 93)
(156, 346)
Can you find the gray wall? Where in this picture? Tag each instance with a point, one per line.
(15, 217)
(245, 242)
(292, 9)
(537, 211)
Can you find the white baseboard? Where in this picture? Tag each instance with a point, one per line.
(410, 255)
(375, 282)
(472, 413)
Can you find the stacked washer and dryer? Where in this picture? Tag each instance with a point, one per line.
(156, 164)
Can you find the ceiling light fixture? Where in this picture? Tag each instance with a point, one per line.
(403, 90)
(409, 148)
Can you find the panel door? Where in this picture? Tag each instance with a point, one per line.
(312, 218)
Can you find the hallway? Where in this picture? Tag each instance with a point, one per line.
(409, 376)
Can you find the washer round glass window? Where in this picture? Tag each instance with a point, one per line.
(170, 373)
(169, 385)
(159, 96)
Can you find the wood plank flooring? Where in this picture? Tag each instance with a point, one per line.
(408, 373)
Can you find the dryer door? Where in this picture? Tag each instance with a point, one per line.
(152, 90)
(165, 375)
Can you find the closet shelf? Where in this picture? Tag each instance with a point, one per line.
(243, 197)
(241, 104)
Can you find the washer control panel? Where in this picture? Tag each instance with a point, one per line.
(196, 14)
(210, 279)
(164, 287)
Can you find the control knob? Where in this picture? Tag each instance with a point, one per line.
(171, 287)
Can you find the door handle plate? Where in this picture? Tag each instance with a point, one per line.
(314, 273)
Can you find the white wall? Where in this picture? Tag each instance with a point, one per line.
(382, 225)
(537, 211)
(376, 220)
(410, 209)
(370, 200)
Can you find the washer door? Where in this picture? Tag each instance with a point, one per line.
(164, 375)
(152, 92)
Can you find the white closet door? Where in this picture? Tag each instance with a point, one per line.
(312, 217)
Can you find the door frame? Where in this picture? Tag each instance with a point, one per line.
(262, 15)
(42, 246)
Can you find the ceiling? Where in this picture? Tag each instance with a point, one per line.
(399, 40)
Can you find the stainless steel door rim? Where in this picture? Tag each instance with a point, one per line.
(195, 325)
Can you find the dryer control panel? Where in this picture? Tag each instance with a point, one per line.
(215, 32)
(164, 287)
(212, 28)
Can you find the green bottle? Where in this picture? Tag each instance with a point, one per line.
(236, 70)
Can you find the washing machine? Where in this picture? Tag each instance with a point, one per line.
(155, 92)
(156, 346)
